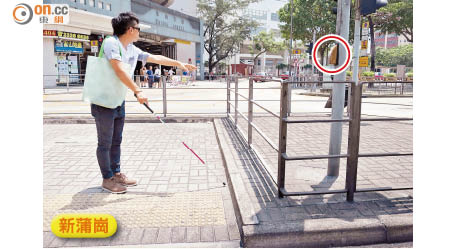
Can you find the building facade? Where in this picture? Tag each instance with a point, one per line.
(164, 31)
(389, 40)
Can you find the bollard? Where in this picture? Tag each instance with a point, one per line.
(164, 93)
(353, 141)
(282, 140)
(250, 111)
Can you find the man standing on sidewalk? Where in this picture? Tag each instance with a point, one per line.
(119, 49)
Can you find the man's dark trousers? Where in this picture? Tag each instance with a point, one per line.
(109, 123)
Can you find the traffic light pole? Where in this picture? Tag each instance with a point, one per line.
(290, 65)
(356, 48)
(338, 98)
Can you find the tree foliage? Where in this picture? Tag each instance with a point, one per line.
(402, 55)
(396, 17)
(224, 30)
(308, 16)
(264, 42)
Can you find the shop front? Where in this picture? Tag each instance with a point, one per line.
(65, 50)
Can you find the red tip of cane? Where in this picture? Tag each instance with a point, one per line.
(158, 117)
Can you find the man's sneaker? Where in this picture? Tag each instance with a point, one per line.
(123, 180)
(111, 186)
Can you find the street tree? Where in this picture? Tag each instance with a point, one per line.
(402, 55)
(395, 17)
(281, 66)
(264, 42)
(308, 16)
(224, 28)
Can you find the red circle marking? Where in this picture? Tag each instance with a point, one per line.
(347, 61)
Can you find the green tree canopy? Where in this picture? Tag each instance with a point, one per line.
(402, 55)
(396, 17)
(308, 16)
(264, 42)
(223, 29)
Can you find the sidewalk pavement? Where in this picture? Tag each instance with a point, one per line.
(180, 201)
(318, 220)
(177, 200)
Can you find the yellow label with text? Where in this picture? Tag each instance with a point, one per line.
(84, 225)
(364, 61)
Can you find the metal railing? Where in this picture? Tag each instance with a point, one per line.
(60, 82)
(388, 88)
(165, 87)
(353, 136)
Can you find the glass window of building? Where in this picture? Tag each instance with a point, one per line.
(100, 5)
(274, 17)
(91, 3)
(157, 13)
(108, 6)
(166, 16)
(83, 1)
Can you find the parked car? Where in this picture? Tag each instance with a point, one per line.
(284, 75)
(261, 77)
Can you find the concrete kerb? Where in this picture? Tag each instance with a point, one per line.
(327, 232)
(331, 232)
(363, 96)
(128, 119)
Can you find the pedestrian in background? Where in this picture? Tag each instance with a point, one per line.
(150, 76)
(143, 77)
(157, 78)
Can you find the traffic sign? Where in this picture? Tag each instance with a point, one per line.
(364, 61)
(365, 25)
(364, 44)
(296, 51)
(94, 43)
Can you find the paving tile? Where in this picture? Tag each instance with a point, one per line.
(164, 235)
(207, 233)
(193, 234)
(178, 234)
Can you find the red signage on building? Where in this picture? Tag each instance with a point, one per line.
(49, 32)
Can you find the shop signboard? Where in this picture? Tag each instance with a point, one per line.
(68, 46)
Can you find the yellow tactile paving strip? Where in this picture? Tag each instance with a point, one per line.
(142, 210)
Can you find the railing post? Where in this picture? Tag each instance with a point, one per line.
(228, 96)
(289, 97)
(164, 93)
(67, 84)
(236, 100)
(282, 137)
(353, 141)
(250, 111)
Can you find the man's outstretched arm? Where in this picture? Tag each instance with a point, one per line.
(158, 59)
